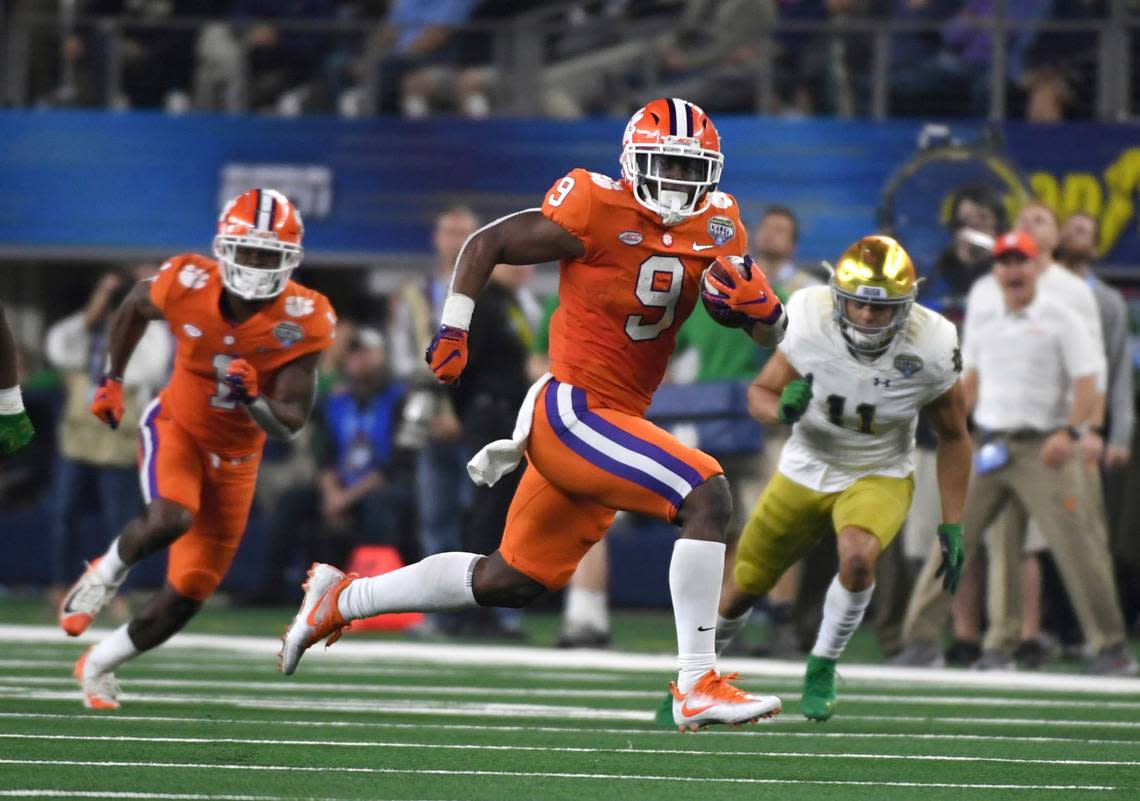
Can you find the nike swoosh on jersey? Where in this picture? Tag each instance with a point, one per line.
(705, 628)
(702, 247)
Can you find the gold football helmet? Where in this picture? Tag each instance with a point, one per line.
(876, 271)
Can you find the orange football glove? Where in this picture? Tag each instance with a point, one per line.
(108, 402)
(241, 378)
(447, 353)
(737, 288)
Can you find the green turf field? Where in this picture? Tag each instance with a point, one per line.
(208, 717)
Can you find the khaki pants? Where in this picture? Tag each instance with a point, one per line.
(1059, 502)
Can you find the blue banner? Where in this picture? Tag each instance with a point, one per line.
(85, 181)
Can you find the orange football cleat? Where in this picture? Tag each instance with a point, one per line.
(100, 690)
(714, 700)
(318, 617)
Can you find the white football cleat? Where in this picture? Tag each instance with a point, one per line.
(100, 690)
(85, 600)
(714, 700)
(318, 617)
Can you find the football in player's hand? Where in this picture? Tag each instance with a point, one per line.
(736, 294)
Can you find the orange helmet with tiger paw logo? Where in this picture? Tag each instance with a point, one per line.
(258, 243)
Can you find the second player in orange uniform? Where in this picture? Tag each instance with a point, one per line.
(632, 254)
(248, 342)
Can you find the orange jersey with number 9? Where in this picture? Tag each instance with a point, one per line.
(621, 304)
(188, 291)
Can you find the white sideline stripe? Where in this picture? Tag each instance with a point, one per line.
(45, 793)
(671, 752)
(467, 709)
(357, 705)
(543, 775)
(482, 727)
(287, 686)
(516, 657)
(236, 664)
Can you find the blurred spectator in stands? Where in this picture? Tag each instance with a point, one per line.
(364, 490)
(977, 216)
(960, 69)
(418, 49)
(714, 53)
(1059, 80)
(827, 72)
(487, 401)
(1076, 251)
(282, 60)
(430, 426)
(156, 61)
(96, 463)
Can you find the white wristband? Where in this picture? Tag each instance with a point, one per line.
(11, 401)
(457, 311)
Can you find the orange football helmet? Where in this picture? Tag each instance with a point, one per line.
(671, 158)
(258, 243)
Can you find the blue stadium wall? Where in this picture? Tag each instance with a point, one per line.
(91, 181)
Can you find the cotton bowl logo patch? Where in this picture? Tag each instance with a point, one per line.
(631, 237)
(288, 333)
(721, 229)
(908, 364)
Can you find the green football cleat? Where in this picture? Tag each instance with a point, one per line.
(819, 688)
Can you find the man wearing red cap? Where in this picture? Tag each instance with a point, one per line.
(1031, 374)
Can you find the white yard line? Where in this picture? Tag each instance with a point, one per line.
(540, 775)
(99, 720)
(527, 657)
(669, 752)
(284, 685)
(357, 705)
(127, 794)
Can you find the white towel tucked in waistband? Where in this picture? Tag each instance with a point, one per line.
(503, 455)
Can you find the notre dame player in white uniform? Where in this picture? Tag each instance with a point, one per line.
(858, 364)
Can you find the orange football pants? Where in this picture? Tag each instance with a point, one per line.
(585, 463)
(218, 491)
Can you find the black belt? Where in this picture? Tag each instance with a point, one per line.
(1015, 434)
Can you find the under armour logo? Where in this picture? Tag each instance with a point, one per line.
(886, 382)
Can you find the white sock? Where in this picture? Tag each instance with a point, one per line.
(111, 568)
(586, 609)
(111, 652)
(727, 628)
(434, 584)
(694, 583)
(11, 400)
(842, 612)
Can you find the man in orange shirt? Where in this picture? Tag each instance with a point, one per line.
(248, 343)
(632, 254)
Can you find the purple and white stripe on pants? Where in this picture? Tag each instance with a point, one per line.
(148, 472)
(608, 447)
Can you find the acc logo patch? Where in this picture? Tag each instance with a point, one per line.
(297, 306)
(192, 277)
(192, 330)
(721, 229)
(288, 333)
(908, 364)
(631, 237)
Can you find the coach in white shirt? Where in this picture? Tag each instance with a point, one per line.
(1031, 379)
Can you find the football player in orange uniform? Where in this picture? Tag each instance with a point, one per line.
(248, 343)
(632, 253)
